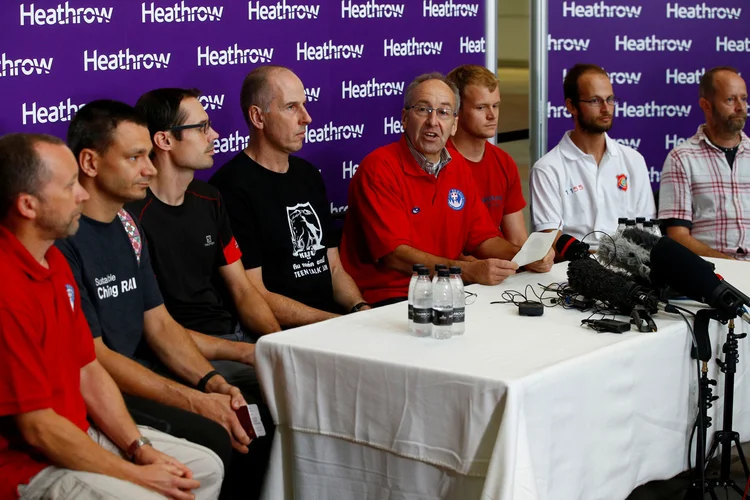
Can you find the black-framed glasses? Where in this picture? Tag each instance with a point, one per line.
(442, 113)
(598, 101)
(205, 126)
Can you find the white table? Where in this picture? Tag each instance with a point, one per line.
(517, 408)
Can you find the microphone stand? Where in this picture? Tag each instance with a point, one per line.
(726, 436)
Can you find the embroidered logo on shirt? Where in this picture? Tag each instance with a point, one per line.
(71, 296)
(622, 182)
(456, 199)
(415, 210)
(306, 230)
(209, 242)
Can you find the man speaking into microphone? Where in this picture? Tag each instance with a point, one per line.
(588, 180)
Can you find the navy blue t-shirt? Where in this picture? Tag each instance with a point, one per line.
(116, 289)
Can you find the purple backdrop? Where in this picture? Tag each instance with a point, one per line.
(355, 58)
(655, 53)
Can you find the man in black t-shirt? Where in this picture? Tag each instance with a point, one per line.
(278, 207)
(189, 235)
(120, 296)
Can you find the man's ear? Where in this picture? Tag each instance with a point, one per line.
(705, 105)
(571, 107)
(163, 140)
(27, 205)
(88, 161)
(255, 114)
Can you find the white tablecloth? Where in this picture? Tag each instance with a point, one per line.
(517, 408)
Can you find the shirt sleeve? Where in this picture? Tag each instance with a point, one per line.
(82, 333)
(71, 254)
(230, 249)
(326, 221)
(481, 226)
(382, 216)
(244, 227)
(546, 204)
(675, 197)
(24, 385)
(514, 197)
(151, 293)
(646, 207)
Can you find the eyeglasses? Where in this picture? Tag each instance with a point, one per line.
(205, 126)
(598, 101)
(442, 113)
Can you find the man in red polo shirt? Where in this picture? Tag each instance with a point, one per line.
(50, 380)
(411, 202)
(494, 171)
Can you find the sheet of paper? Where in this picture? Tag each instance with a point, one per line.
(535, 248)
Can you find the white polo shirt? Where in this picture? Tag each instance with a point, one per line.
(567, 185)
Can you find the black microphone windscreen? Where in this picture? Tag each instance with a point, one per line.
(674, 265)
(641, 237)
(592, 280)
(570, 248)
(626, 255)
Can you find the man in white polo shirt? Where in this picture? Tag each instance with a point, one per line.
(705, 183)
(588, 180)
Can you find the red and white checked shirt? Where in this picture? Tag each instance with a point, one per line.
(697, 185)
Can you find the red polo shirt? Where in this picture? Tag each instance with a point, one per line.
(393, 202)
(44, 343)
(497, 179)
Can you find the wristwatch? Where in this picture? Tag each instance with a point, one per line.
(359, 306)
(136, 445)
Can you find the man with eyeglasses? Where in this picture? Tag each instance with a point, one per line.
(279, 209)
(588, 180)
(705, 184)
(413, 202)
(134, 333)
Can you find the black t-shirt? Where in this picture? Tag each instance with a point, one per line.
(282, 223)
(116, 286)
(188, 244)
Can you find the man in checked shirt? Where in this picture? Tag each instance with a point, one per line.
(705, 183)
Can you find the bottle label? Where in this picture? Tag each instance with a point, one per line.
(422, 316)
(442, 318)
(459, 314)
(411, 312)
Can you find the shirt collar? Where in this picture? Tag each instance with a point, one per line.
(21, 258)
(572, 152)
(700, 136)
(426, 165)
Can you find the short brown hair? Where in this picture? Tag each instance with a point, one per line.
(570, 84)
(21, 168)
(706, 86)
(472, 74)
(256, 91)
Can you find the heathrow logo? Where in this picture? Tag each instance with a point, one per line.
(600, 10)
(619, 78)
(393, 126)
(371, 88)
(631, 143)
(677, 77)
(61, 112)
(652, 110)
(124, 60)
(211, 101)
(312, 94)
(281, 11)
(672, 141)
(702, 11)
(411, 47)
(330, 132)
(180, 13)
(64, 14)
(233, 55)
(431, 8)
(232, 143)
(651, 44)
(24, 67)
(349, 168)
(727, 45)
(328, 51)
(567, 44)
(469, 46)
(370, 10)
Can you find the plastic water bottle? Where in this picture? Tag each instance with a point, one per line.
(620, 226)
(639, 222)
(438, 267)
(410, 297)
(442, 306)
(656, 228)
(629, 224)
(459, 301)
(648, 226)
(423, 304)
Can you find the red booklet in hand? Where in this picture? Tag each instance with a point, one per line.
(249, 417)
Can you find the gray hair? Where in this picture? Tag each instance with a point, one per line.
(430, 76)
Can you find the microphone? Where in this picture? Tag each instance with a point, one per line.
(592, 280)
(626, 254)
(676, 266)
(571, 249)
(641, 238)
